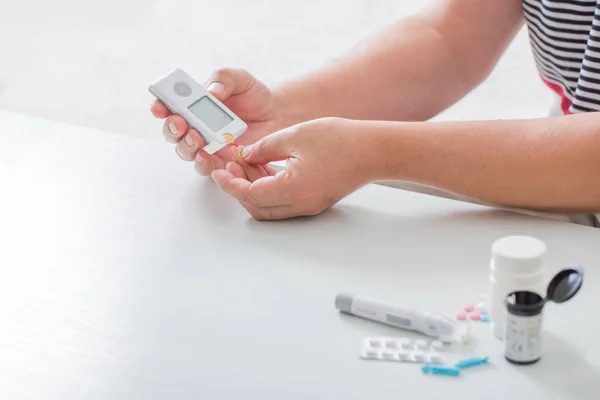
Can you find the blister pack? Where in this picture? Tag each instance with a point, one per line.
(402, 350)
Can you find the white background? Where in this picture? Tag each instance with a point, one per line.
(90, 62)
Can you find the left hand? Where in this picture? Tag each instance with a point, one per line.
(246, 96)
(327, 159)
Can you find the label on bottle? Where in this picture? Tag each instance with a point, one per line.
(498, 293)
(523, 338)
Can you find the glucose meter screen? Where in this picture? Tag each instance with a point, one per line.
(210, 113)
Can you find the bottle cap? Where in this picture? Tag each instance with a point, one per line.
(565, 284)
(561, 288)
(518, 254)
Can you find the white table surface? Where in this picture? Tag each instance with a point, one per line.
(124, 275)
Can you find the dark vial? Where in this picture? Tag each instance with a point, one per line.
(523, 327)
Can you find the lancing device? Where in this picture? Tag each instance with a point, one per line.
(216, 123)
(434, 325)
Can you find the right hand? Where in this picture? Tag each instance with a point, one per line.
(248, 98)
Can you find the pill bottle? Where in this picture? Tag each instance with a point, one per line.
(517, 264)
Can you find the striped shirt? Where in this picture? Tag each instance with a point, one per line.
(565, 41)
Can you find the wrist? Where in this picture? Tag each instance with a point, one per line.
(301, 100)
(390, 155)
(288, 108)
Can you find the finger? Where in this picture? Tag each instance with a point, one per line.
(270, 191)
(234, 186)
(236, 154)
(174, 128)
(274, 147)
(159, 110)
(236, 169)
(253, 172)
(270, 170)
(224, 153)
(239, 188)
(226, 82)
(205, 163)
(189, 146)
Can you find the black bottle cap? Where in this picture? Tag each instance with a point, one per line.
(565, 284)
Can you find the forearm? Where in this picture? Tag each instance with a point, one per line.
(549, 164)
(412, 70)
(392, 76)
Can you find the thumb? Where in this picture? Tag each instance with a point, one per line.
(274, 147)
(227, 82)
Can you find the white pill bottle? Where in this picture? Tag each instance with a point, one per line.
(517, 264)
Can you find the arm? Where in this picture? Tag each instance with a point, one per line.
(549, 164)
(412, 70)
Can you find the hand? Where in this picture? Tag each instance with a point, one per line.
(247, 97)
(327, 159)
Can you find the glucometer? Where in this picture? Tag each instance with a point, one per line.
(216, 123)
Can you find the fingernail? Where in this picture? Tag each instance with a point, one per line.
(173, 128)
(188, 140)
(246, 151)
(199, 159)
(216, 87)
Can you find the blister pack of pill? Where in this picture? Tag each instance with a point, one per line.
(402, 350)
